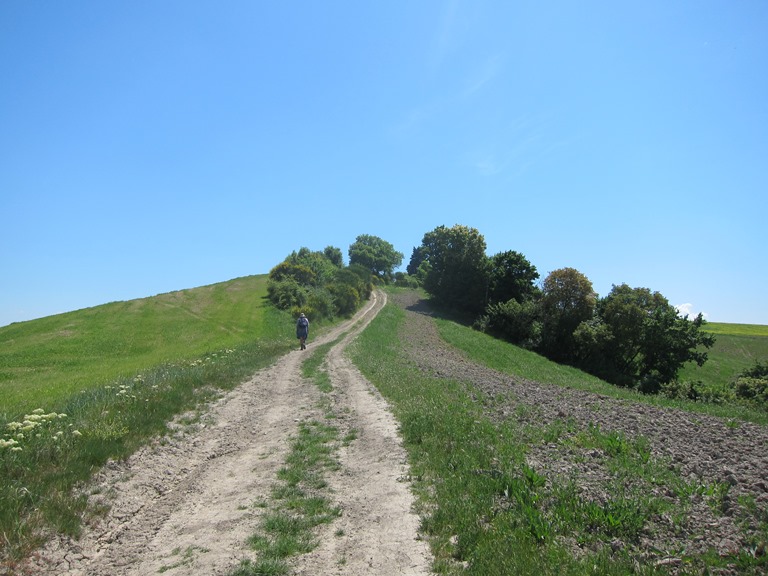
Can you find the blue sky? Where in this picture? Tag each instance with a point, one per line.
(152, 146)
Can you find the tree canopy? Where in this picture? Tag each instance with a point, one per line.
(457, 267)
(376, 255)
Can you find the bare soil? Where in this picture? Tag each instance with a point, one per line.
(187, 503)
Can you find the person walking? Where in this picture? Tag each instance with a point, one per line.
(302, 330)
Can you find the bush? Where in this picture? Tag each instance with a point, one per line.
(697, 391)
(346, 299)
(752, 385)
(287, 293)
(754, 389)
(513, 321)
(403, 280)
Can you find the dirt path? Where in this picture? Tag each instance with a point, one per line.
(185, 505)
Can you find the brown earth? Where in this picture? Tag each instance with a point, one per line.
(185, 504)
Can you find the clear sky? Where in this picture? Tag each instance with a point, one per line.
(149, 146)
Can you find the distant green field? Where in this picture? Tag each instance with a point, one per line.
(45, 361)
(737, 329)
(737, 347)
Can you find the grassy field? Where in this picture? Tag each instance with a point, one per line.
(44, 362)
(737, 347)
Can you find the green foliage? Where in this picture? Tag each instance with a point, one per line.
(317, 284)
(567, 300)
(752, 385)
(287, 293)
(378, 256)
(514, 321)
(458, 270)
(512, 276)
(403, 280)
(638, 339)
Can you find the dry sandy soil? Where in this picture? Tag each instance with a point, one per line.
(185, 504)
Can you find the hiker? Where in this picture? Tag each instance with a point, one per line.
(302, 330)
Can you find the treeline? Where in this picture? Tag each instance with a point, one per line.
(631, 337)
(320, 285)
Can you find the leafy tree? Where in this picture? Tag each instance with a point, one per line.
(375, 254)
(512, 276)
(317, 261)
(456, 267)
(671, 342)
(567, 300)
(334, 255)
(417, 257)
(297, 272)
(638, 339)
(404, 280)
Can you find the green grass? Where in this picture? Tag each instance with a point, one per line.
(44, 362)
(732, 353)
(96, 384)
(299, 503)
(736, 329)
(484, 509)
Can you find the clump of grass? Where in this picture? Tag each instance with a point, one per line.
(300, 503)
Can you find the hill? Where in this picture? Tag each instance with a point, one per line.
(43, 362)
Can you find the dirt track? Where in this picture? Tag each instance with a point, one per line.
(185, 505)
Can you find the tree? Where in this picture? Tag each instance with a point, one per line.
(639, 340)
(375, 254)
(455, 267)
(512, 276)
(334, 255)
(417, 257)
(567, 300)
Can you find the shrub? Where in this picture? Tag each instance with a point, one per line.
(512, 321)
(752, 385)
(287, 293)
